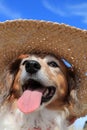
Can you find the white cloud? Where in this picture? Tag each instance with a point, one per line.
(6, 11)
(67, 10)
(53, 8)
(79, 10)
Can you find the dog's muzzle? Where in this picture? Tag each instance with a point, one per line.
(47, 91)
(35, 93)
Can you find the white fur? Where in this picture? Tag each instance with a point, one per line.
(44, 119)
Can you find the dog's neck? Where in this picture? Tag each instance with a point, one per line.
(41, 120)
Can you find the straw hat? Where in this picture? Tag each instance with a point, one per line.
(28, 36)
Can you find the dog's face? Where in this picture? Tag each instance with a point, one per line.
(34, 87)
(46, 75)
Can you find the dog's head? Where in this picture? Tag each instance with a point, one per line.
(36, 76)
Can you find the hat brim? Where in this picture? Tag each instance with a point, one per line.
(26, 36)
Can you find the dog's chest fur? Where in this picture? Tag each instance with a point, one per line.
(42, 119)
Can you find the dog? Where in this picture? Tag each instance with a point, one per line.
(37, 94)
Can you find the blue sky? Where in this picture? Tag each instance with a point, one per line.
(72, 12)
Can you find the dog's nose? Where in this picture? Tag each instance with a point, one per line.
(32, 66)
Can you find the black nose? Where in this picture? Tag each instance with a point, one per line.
(32, 66)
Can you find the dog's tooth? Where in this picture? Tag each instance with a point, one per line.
(51, 93)
(46, 92)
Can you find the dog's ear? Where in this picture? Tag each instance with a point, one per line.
(74, 104)
(7, 79)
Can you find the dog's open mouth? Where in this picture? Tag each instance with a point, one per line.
(47, 92)
(34, 95)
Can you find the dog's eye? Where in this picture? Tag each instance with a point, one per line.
(53, 64)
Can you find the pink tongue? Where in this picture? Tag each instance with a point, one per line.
(29, 101)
